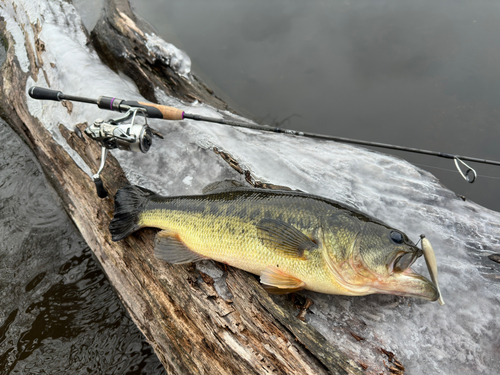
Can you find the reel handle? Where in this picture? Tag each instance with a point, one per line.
(99, 186)
(100, 189)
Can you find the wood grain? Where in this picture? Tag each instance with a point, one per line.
(192, 329)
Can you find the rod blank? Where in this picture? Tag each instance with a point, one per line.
(337, 139)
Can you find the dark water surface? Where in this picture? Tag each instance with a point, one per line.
(416, 73)
(58, 312)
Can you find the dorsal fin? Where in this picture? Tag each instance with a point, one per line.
(283, 237)
(225, 185)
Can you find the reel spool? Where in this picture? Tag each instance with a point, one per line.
(134, 137)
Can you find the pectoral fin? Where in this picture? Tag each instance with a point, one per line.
(283, 237)
(278, 282)
(171, 249)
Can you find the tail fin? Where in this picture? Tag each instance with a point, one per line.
(128, 203)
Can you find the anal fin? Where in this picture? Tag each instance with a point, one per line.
(169, 248)
(278, 282)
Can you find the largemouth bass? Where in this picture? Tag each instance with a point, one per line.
(292, 240)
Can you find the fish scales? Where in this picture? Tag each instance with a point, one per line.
(293, 240)
(223, 227)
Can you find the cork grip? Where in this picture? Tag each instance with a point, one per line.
(168, 113)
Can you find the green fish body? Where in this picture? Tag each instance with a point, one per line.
(292, 240)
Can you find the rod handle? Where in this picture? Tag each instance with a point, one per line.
(157, 110)
(42, 93)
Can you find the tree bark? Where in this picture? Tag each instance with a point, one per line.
(192, 329)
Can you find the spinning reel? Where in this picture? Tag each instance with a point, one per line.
(135, 136)
(129, 132)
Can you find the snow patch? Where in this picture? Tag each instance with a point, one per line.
(188, 180)
(169, 54)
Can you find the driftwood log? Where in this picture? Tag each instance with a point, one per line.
(190, 326)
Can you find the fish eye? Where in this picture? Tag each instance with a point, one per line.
(403, 262)
(396, 237)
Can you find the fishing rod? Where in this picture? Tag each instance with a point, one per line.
(470, 174)
(138, 137)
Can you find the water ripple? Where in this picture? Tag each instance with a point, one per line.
(58, 312)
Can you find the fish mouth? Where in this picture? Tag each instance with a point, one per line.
(411, 284)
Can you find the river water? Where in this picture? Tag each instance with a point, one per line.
(415, 73)
(59, 313)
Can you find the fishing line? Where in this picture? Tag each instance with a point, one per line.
(419, 239)
(453, 171)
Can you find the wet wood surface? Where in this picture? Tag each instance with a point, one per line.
(192, 329)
